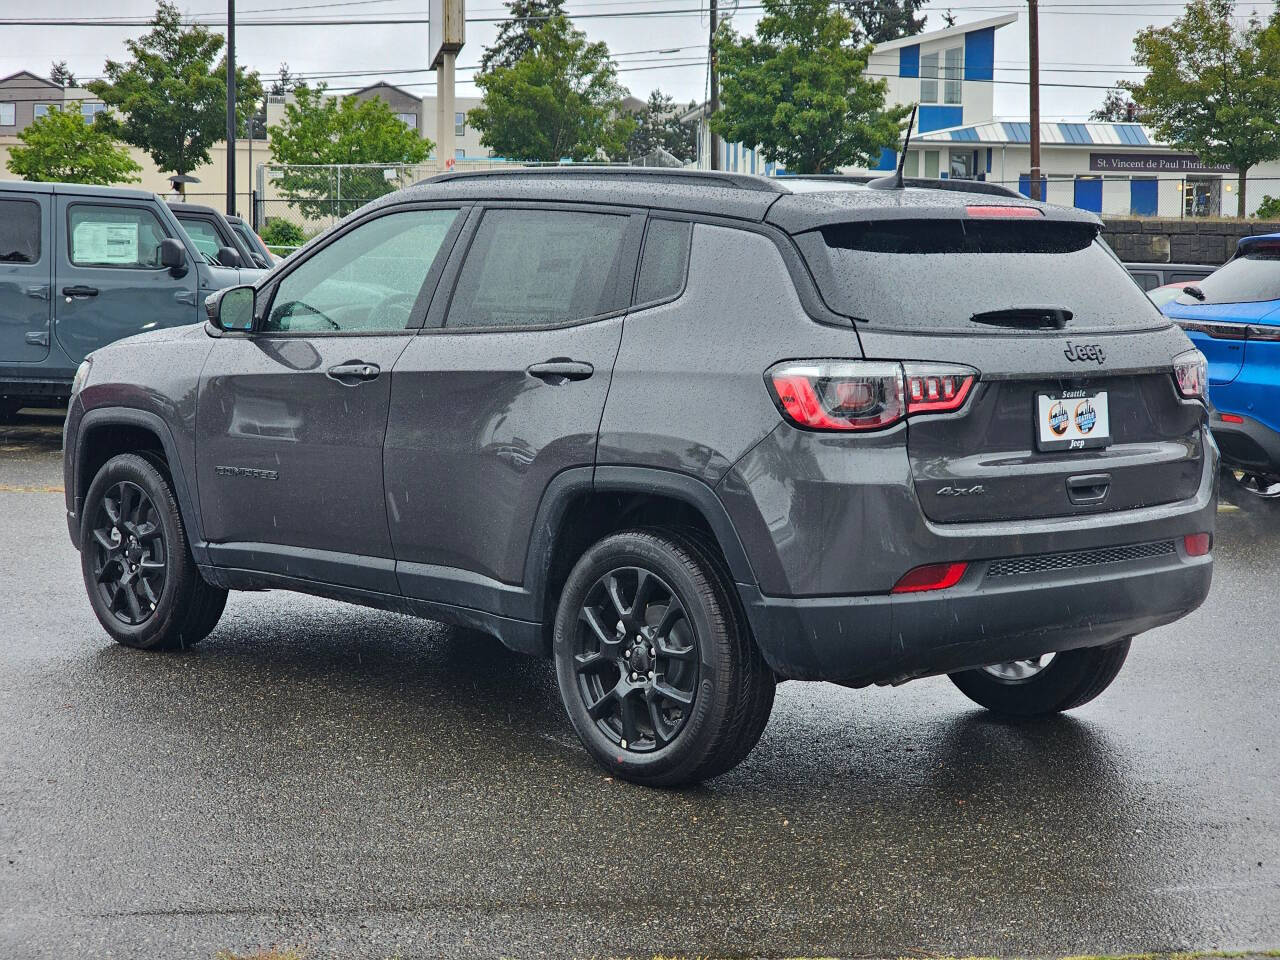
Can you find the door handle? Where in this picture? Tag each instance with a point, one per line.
(561, 370)
(1088, 488)
(79, 291)
(353, 373)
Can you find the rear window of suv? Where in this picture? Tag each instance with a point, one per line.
(1246, 279)
(937, 274)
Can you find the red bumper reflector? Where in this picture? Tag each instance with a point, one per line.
(932, 576)
(1232, 418)
(1197, 544)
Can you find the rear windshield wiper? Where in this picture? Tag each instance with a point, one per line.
(1026, 318)
(1194, 292)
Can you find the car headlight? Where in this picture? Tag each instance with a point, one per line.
(1191, 370)
(82, 374)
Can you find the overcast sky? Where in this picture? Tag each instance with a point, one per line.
(1084, 43)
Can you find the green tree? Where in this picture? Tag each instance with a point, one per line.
(658, 125)
(62, 148)
(876, 21)
(285, 81)
(513, 40)
(798, 92)
(560, 99)
(1213, 87)
(170, 99)
(61, 74)
(1116, 107)
(320, 129)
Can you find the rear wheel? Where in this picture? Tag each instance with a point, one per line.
(657, 670)
(1250, 491)
(1044, 685)
(142, 582)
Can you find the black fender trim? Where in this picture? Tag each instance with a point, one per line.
(144, 419)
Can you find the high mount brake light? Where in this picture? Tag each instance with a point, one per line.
(998, 212)
(1191, 371)
(865, 394)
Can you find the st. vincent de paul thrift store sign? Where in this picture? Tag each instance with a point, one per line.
(1154, 163)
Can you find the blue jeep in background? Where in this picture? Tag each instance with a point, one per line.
(1233, 317)
(81, 267)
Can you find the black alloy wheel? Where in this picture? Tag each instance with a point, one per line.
(130, 561)
(636, 659)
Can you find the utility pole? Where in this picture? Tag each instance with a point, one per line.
(447, 33)
(1033, 42)
(231, 107)
(713, 139)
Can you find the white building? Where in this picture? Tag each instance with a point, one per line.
(1111, 168)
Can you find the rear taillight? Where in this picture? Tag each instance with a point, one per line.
(1191, 370)
(865, 394)
(932, 576)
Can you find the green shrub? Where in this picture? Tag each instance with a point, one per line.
(280, 234)
(1269, 208)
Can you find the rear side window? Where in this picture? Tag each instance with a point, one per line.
(19, 231)
(938, 274)
(1252, 277)
(110, 236)
(537, 267)
(665, 260)
(203, 235)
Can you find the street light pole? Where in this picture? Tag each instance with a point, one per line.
(1033, 40)
(231, 107)
(713, 140)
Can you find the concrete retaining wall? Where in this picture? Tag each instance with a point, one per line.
(1179, 241)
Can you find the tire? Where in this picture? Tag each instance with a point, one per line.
(698, 706)
(1250, 493)
(1071, 679)
(9, 410)
(133, 544)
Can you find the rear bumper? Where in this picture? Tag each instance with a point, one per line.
(1251, 445)
(984, 619)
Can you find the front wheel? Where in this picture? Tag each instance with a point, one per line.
(142, 582)
(657, 669)
(1044, 685)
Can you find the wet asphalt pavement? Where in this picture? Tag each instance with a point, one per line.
(368, 785)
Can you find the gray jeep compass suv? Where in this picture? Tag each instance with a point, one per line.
(686, 433)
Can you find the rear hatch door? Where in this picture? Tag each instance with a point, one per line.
(1075, 410)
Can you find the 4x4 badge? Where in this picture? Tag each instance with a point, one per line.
(1084, 351)
(976, 490)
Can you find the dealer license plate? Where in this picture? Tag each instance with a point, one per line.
(1072, 420)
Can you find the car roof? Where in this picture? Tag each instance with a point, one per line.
(180, 207)
(77, 189)
(793, 203)
(1247, 242)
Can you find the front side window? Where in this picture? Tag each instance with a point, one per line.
(538, 267)
(365, 281)
(8, 114)
(929, 77)
(110, 236)
(19, 231)
(203, 235)
(953, 72)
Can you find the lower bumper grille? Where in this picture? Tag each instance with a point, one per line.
(1045, 562)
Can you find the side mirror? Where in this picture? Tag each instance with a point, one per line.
(228, 257)
(172, 254)
(231, 309)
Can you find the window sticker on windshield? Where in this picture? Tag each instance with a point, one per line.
(98, 242)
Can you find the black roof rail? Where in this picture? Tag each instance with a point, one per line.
(926, 183)
(708, 178)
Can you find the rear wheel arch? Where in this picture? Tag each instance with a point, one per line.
(579, 509)
(106, 432)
